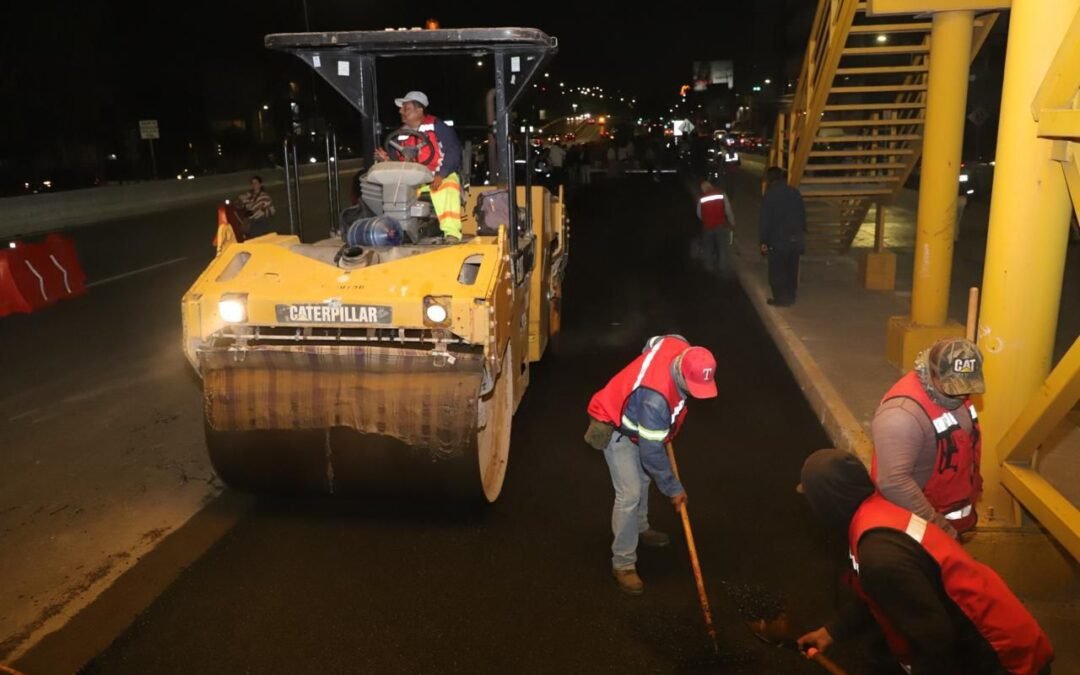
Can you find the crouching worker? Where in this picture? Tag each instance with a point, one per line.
(941, 610)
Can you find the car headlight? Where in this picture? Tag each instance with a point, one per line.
(233, 308)
(436, 311)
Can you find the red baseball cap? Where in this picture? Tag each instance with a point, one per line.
(698, 367)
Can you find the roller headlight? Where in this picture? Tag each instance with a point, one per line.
(437, 310)
(436, 313)
(233, 308)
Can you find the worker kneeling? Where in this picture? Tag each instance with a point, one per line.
(941, 610)
(632, 418)
(441, 154)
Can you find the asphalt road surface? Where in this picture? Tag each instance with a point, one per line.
(390, 584)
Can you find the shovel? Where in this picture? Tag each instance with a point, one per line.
(768, 620)
(779, 633)
(703, 597)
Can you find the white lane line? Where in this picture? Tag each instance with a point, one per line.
(20, 416)
(134, 272)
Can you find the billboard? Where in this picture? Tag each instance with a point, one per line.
(708, 73)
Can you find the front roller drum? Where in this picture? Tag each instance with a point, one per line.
(465, 454)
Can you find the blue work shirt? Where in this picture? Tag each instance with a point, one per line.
(648, 409)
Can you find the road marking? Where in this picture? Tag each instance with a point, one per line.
(132, 273)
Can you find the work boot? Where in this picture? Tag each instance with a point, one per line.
(629, 581)
(654, 538)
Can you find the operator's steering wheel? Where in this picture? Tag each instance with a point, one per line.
(423, 152)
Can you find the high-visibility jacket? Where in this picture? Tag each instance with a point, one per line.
(651, 370)
(713, 211)
(997, 614)
(956, 480)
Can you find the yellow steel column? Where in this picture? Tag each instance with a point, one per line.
(946, 104)
(943, 140)
(1026, 246)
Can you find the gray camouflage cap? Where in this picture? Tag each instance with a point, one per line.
(958, 366)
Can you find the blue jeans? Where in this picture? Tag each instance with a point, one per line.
(717, 243)
(630, 516)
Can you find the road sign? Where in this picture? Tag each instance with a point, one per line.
(148, 130)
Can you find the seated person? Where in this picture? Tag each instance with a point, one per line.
(443, 159)
(257, 207)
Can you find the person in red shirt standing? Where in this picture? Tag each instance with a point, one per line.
(718, 227)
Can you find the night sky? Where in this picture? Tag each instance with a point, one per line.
(74, 81)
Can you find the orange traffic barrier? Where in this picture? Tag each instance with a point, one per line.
(36, 275)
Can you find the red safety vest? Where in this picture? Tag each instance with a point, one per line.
(431, 158)
(651, 370)
(1020, 644)
(956, 480)
(713, 213)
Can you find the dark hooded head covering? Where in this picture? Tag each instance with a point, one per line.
(835, 483)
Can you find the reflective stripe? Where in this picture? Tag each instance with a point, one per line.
(916, 528)
(642, 432)
(426, 127)
(62, 271)
(678, 409)
(945, 422)
(711, 198)
(971, 409)
(41, 280)
(646, 363)
(959, 513)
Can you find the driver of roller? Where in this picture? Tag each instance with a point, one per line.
(441, 153)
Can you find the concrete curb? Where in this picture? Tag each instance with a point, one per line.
(836, 418)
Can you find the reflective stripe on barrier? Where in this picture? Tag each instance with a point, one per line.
(35, 275)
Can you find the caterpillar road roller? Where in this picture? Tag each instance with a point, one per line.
(395, 360)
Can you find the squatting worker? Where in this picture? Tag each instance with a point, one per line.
(927, 444)
(941, 610)
(632, 418)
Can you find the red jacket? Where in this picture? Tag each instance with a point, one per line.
(1020, 644)
(713, 211)
(956, 480)
(651, 370)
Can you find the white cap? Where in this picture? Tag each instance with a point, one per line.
(418, 96)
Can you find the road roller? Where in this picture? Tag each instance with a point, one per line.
(393, 359)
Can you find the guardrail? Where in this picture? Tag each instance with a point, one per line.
(38, 214)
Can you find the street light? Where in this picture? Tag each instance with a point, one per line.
(882, 39)
(768, 81)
